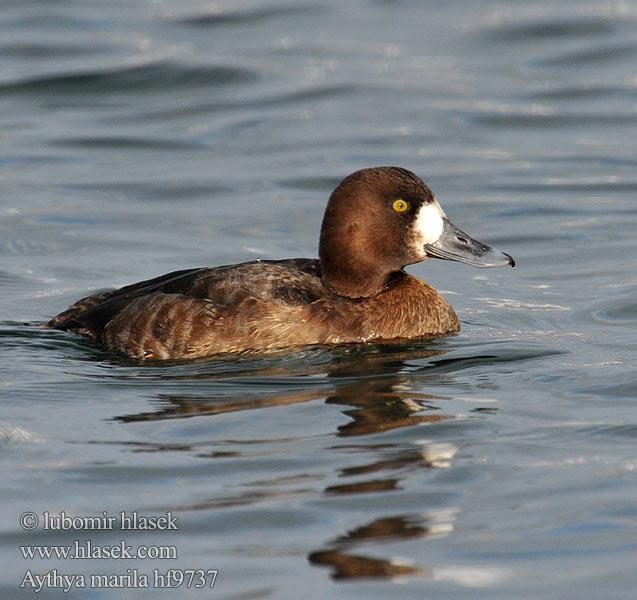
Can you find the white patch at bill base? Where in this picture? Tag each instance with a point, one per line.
(428, 224)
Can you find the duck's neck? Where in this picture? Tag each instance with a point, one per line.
(354, 287)
(354, 279)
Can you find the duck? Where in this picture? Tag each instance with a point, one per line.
(377, 221)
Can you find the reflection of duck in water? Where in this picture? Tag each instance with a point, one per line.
(376, 222)
(365, 378)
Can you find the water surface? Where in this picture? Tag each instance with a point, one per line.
(143, 137)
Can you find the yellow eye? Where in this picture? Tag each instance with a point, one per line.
(400, 205)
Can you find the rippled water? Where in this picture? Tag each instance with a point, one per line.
(142, 137)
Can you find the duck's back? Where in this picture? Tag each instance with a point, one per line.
(195, 311)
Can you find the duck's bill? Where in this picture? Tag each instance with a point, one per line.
(454, 244)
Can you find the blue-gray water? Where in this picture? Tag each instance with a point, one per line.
(139, 137)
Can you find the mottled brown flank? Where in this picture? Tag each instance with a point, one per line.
(257, 305)
(355, 293)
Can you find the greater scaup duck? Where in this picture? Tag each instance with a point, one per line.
(376, 222)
